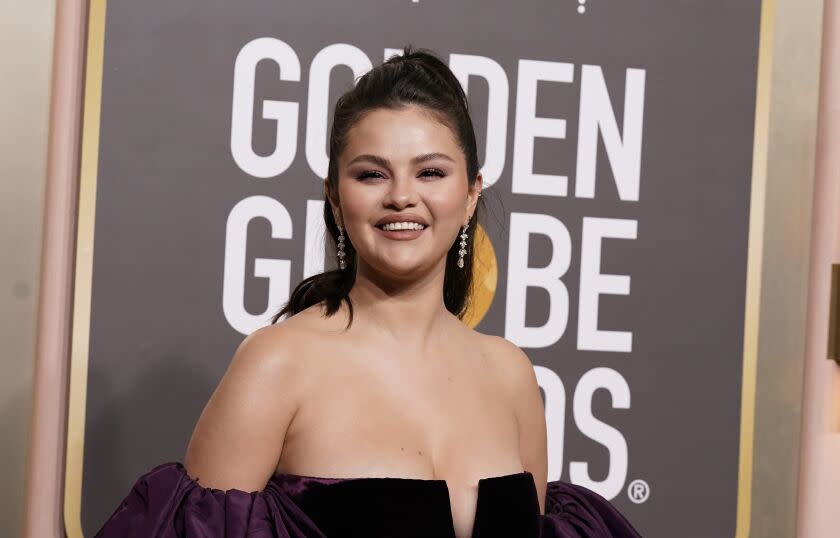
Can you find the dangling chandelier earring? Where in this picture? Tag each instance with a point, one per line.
(463, 246)
(341, 254)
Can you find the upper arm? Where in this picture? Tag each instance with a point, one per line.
(238, 438)
(530, 413)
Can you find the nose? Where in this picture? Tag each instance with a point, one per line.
(401, 192)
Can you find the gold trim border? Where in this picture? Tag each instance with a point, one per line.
(755, 253)
(82, 291)
(92, 100)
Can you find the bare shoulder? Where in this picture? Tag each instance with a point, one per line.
(518, 379)
(512, 365)
(283, 352)
(240, 433)
(503, 348)
(273, 343)
(278, 348)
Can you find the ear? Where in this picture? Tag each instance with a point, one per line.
(330, 198)
(472, 196)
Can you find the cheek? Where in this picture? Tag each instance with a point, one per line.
(447, 205)
(356, 203)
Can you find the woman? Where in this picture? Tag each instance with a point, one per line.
(424, 426)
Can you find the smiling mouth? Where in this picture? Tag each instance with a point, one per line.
(402, 231)
(401, 226)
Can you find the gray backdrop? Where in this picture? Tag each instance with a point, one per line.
(167, 244)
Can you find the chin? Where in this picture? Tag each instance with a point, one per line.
(401, 270)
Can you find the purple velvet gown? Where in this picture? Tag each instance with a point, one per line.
(167, 503)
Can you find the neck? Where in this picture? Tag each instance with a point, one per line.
(409, 314)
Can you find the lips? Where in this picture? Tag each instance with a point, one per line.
(401, 217)
(406, 234)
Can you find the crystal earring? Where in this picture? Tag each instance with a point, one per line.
(341, 254)
(463, 249)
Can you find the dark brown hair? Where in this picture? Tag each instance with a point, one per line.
(417, 77)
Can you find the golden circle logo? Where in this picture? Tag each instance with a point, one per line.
(485, 276)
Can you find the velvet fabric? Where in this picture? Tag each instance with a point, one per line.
(167, 503)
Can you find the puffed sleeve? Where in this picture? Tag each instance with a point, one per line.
(576, 512)
(167, 503)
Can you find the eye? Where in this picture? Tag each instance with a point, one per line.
(432, 172)
(369, 174)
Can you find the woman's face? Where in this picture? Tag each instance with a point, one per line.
(402, 166)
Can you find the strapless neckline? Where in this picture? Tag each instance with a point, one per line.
(514, 491)
(165, 501)
(281, 475)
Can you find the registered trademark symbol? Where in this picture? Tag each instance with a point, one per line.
(638, 491)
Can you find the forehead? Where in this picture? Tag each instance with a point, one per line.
(408, 130)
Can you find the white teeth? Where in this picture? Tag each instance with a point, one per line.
(392, 226)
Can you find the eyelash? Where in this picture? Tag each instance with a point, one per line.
(370, 173)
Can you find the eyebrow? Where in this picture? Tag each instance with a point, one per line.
(385, 163)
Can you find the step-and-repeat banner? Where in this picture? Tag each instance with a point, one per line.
(616, 141)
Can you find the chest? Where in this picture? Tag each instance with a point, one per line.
(376, 419)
